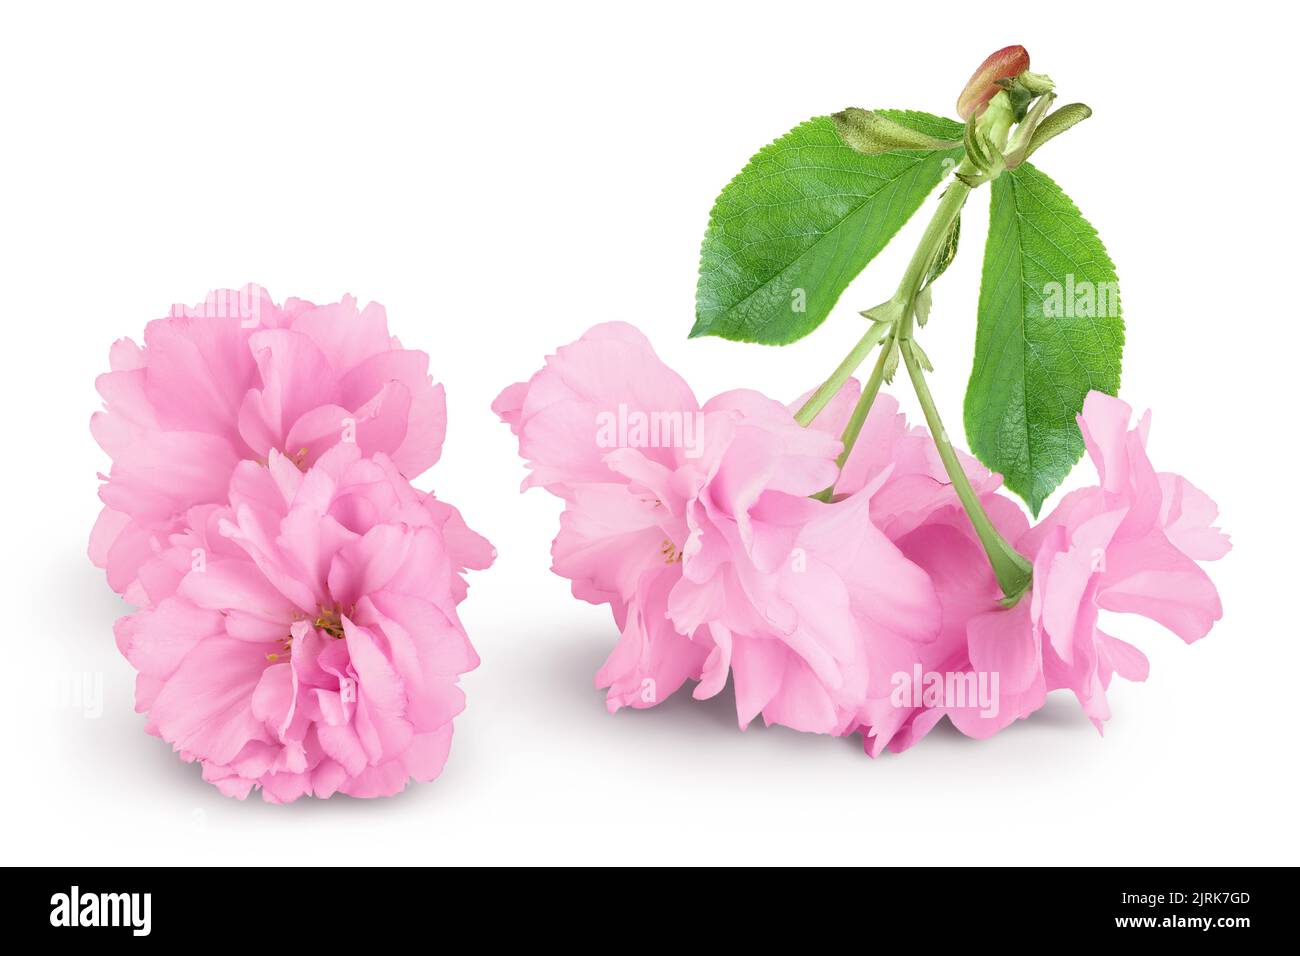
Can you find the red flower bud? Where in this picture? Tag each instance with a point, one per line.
(1008, 62)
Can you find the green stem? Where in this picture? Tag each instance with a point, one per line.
(902, 305)
(936, 232)
(859, 417)
(1012, 570)
(832, 385)
(950, 205)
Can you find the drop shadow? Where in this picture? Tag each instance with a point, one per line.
(95, 607)
(682, 716)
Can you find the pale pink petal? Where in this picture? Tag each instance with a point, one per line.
(651, 660)
(1187, 515)
(1153, 578)
(1104, 423)
(343, 335)
(296, 377)
(1124, 659)
(205, 706)
(368, 564)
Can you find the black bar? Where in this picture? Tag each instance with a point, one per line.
(329, 905)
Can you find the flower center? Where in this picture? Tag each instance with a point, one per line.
(670, 552)
(329, 620)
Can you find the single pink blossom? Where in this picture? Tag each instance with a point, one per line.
(309, 642)
(712, 554)
(1130, 544)
(233, 380)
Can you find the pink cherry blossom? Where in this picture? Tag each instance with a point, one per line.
(718, 563)
(235, 379)
(1130, 544)
(309, 642)
(713, 556)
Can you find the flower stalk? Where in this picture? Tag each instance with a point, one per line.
(859, 417)
(829, 388)
(1013, 572)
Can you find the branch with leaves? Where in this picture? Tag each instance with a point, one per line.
(810, 211)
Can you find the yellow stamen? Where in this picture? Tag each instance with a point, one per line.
(331, 622)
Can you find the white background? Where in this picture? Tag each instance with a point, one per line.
(501, 177)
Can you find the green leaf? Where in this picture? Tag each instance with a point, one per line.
(804, 217)
(1050, 330)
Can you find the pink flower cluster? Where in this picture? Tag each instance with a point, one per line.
(836, 617)
(297, 628)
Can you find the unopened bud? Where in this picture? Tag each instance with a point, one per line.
(1008, 62)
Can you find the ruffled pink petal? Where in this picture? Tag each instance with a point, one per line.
(368, 564)
(232, 584)
(758, 666)
(424, 421)
(606, 375)
(426, 754)
(1187, 515)
(1153, 578)
(607, 541)
(156, 641)
(1122, 658)
(296, 378)
(198, 370)
(1024, 690)
(155, 480)
(344, 336)
(802, 701)
(108, 526)
(1003, 643)
(205, 706)
(651, 660)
